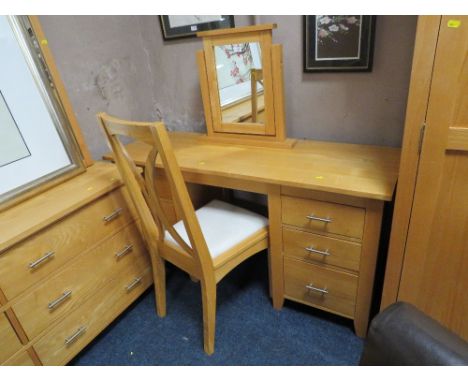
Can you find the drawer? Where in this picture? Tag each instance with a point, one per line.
(79, 280)
(76, 330)
(9, 342)
(20, 359)
(300, 278)
(336, 218)
(65, 239)
(320, 249)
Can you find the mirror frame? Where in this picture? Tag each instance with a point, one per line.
(263, 38)
(51, 89)
(272, 131)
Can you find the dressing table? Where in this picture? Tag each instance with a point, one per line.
(325, 200)
(325, 203)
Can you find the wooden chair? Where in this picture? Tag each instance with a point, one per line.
(207, 243)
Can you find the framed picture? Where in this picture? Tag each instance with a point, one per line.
(179, 26)
(37, 147)
(338, 43)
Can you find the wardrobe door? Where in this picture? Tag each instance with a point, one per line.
(435, 268)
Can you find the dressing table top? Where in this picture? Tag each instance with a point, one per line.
(356, 170)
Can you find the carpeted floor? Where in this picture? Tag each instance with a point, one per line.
(249, 331)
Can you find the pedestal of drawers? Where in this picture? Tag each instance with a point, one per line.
(330, 245)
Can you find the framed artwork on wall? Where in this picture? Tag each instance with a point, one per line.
(179, 26)
(338, 43)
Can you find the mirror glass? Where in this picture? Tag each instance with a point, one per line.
(240, 82)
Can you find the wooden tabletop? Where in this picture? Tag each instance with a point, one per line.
(349, 169)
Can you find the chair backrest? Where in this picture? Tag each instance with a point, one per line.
(142, 191)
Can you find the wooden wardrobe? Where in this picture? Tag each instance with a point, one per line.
(427, 263)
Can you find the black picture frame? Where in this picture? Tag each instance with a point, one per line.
(338, 43)
(191, 29)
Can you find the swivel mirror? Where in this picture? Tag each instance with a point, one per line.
(242, 85)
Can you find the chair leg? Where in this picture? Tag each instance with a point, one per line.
(159, 277)
(209, 315)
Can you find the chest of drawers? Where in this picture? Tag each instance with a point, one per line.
(8, 337)
(69, 269)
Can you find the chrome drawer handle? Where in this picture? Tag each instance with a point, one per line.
(81, 330)
(54, 304)
(128, 248)
(311, 288)
(41, 260)
(313, 217)
(133, 284)
(313, 250)
(113, 215)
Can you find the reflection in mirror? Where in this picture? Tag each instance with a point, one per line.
(240, 82)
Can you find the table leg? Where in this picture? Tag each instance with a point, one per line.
(276, 247)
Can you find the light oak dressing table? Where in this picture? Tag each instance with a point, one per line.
(325, 203)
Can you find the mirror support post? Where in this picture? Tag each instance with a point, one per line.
(201, 61)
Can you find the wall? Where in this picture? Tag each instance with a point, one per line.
(120, 64)
(349, 107)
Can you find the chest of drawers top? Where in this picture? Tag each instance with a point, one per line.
(29, 217)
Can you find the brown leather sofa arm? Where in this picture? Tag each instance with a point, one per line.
(403, 335)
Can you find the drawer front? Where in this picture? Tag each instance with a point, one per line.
(303, 282)
(9, 342)
(65, 239)
(79, 280)
(323, 216)
(311, 247)
(74, 332)
(20, 359)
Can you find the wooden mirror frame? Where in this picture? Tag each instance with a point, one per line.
(273, 131)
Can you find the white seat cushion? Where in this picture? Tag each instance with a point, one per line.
(223, 225)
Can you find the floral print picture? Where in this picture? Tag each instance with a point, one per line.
(338, 42)
(337, 37)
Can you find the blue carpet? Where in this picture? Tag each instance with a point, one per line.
(248, 332)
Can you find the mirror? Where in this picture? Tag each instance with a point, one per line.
(37, 147)
(241, 83)
(239, 77)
